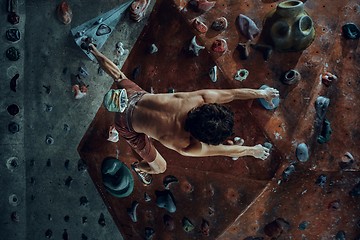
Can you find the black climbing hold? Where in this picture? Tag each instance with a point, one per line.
(302, 152)
(13, 127)
(168, 180)
(287, 172)
(13, 18)
(13, 54)
(48, 233)
(355, 192)
(340, 235)
(67, 218)
(84, 201)
(165, 199)
(132, 211)
(66, 164)
(101, 220)
(68, 181)
(84, 237)
(15, 217)
(149, 233)
(325, 134)
(84, 220)
(65, 235)
(13, 82)
(48, 162)
(47, 89)
(187, 225)
(303, 225)
(168, 222)
(13, 34)
(81, 165)
(350, 31)
(13, 109)
(48, 108)
(321, 180)
(136, 72)
(66, 127)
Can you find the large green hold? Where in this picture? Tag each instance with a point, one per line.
(117, 178)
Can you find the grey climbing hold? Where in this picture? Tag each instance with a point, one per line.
(101, 220)
(12, 163)
(321, 180)
(187, 225)
(14, 200)
(325, 133)
(195, 47)
(49, 139)
(303, 225)
(321, 105)
(165, 199)
(153, 49)
(287, 172)
(132, 211)
(268, 145)
(265, 104)
(302, 152)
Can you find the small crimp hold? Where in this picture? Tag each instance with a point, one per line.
(241, 75)
(132, 211)
(194, 47)
(327, 78)
(213, 74)
(219, 24)
(153, 49)
(199, 25)
(351, 31)
(292, 76)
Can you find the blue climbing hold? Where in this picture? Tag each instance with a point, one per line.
(302, 152)
(265, 104)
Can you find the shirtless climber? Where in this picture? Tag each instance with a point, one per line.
(192, 123)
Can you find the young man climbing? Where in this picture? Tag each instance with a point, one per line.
(192, 123)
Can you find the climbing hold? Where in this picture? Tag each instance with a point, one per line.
(350, 31)
(48, 233)
(187, 225)
(327, 78)
(12, 6)
(12, 163)
(165, 199)
(117, 178)
(219, 46)
(321, 105)
(13, 82)
(13, 35)
(241, 75)
(15, 217)
(48, 108)
(302, 152)
(168, 222)
(287, 172)
(66, 127)
(13, 18)
(147, 198)
(321, 180)
(340, 235)
(68, 181)
(355, 192)
(138, 9)
(205, 228)
(13, 54)
(244, 49)
(326, 131)
(13, 109)
(346, 161)
(65, 235)
(136, 72)
(13, 127)
(113, 135)
(101, 220)
(247, 27)
(14, 200)
(194, 47)
(84, 201)
(47, 89)
(303, 225)
(171, 90)
(153, 49)
(268, 145)
(64, 12)
(103, 29)
(276, 228)
(201, 5)
(49, 139)
(199, 25)
(334, 205)
(186, 186)
(149, 233)
(213, 73)
(275, 101)
(219, 24)
(291, 77)
(82, 72)
(132, 211)
(168, 180)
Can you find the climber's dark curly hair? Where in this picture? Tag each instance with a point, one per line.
(210, 123)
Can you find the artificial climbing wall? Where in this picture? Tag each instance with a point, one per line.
(286, 196)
